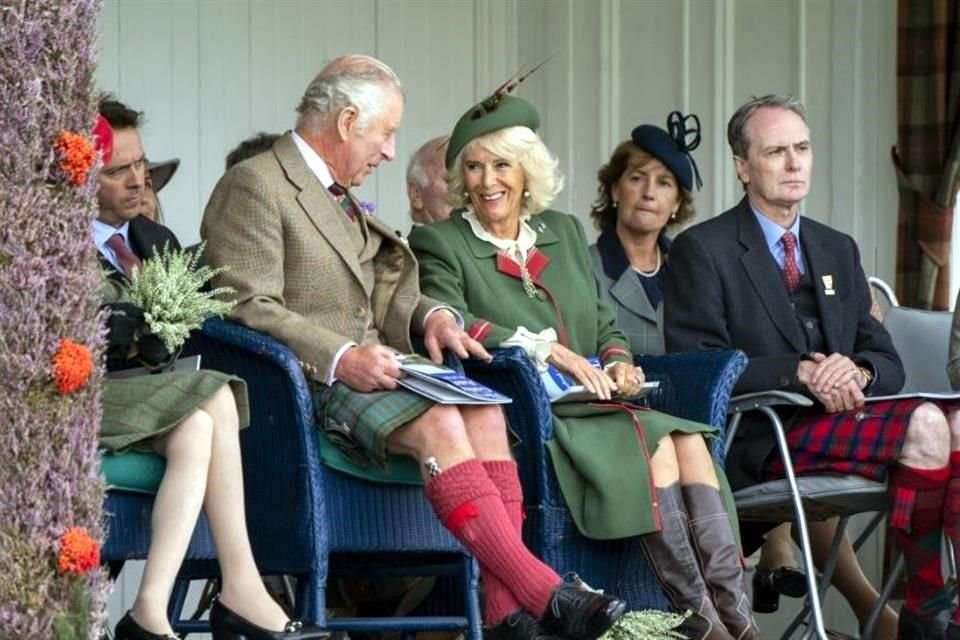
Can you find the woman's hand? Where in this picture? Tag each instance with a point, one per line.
(594, 380)
(628, 378)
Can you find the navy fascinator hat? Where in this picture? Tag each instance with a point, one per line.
(673, 148)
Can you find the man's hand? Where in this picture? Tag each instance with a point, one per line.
(628, 378)
(442, 332)
(833, 380)
(575, 365)
(366, 368)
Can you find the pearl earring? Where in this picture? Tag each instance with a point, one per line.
(526, 194)
(673, 216)
(466, 194)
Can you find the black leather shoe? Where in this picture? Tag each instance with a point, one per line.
(519, 625)
(227, 625)
(129, 629)
(916, 626)
(770, 584)
(579, 613)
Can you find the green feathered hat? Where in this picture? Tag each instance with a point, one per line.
(499, 111)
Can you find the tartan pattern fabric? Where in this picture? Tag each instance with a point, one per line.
(791, 272)
(927, 154)
(863, 443)
(343, 198)
(359, 423)
(917, 522)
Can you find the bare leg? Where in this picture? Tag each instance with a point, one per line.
(175, 511)
(694, 460)
(243, 591)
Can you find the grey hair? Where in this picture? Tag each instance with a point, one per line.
(516, 144)
(737, 127)
(348, 81)
(417, 167)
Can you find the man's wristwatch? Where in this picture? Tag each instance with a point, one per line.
(867, 375)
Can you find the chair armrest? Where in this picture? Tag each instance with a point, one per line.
(762, 401)
(529, 416)
(694, 385)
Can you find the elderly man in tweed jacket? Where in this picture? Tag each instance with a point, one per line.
(338, 287)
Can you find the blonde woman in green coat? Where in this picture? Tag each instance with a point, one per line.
(520, 274)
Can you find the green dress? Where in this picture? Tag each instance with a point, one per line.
(136, 410)
(600, 452)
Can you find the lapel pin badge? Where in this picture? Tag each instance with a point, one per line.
(828, 285)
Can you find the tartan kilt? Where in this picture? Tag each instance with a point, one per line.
(865, 442)
(360, 423)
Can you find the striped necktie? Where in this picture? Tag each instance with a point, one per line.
(343, 197)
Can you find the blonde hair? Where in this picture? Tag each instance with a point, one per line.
(542, 176)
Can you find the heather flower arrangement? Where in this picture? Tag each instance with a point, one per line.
(169, 289)
(51, 336)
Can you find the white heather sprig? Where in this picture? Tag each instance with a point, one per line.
(168, 287)
(646, 625)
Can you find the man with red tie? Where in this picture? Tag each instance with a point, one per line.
(791, 293)
(124, 237)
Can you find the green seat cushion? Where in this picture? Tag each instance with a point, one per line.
(132, 471)
(400, 469)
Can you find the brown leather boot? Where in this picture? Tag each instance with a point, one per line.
(720, 559)
(674, 561)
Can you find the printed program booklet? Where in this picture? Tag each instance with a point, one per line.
(925, 395)
(562, 388)
(444, 385)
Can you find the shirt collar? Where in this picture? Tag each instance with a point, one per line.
(517, 249)
(772, 232)
(103, 232)
(314, 162)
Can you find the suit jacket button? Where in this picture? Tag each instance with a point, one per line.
(784, 382)
(361, 311)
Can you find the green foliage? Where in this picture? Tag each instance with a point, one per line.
(646, 625)
(73, 622)
(168, 287)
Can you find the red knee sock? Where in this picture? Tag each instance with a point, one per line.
(469, 505)
(916, 514)
(498, 601)
(951, 513)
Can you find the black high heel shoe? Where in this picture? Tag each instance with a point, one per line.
(130, 629)
(770, 584)
(227, 625)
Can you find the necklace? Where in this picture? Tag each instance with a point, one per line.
(656, 269)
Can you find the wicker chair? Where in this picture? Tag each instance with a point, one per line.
(695, 386)
(301, 514)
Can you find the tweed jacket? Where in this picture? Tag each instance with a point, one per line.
(726, 292)
(635, 315)
(146, 238)
(294, 266)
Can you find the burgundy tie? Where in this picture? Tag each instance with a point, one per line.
(127, 259)
(791, 272)
(343, 197)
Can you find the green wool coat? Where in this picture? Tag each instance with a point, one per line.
(600, 452)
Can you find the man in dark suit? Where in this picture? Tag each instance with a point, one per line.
(123, 236)
(791, 293)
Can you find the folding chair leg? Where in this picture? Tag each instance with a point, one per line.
(888, 587)
(802, 532)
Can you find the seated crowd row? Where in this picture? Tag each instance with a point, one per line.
(345, 292)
